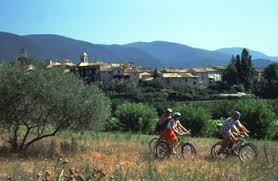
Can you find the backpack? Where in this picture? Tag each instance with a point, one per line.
(159, 128)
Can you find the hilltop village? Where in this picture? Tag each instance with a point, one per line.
(99, 71)
(103, 72)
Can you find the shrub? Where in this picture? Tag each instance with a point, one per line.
(156, 84)
(136, 117)
(257, 115)
(219, 109)
(193, 117)
(113, 124)
(211, 127)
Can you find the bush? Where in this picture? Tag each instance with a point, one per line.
(156, 84)
(272, 130)
(193, 117)
(211, 127)
(113, 124)
(257, 115)
(274, 104)
(136, 117)
(220, 109)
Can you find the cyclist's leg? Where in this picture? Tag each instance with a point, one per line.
(173, 141)
(225, 142)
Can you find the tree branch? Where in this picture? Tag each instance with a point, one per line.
(46, 135)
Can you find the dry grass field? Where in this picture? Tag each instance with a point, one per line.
(105, 156)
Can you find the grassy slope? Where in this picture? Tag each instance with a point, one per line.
(127, 155)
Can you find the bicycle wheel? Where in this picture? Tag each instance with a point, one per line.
(254, 146)
(215, 152)
(152, 145)
(162, 150)
(248, 152)
(186, 151)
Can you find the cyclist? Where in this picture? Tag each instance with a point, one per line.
(231, 129)
(163, 121)
(174, 127)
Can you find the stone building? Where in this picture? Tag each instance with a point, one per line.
(193, 77)
(182, 78)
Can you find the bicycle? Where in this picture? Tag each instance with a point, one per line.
(185, 150)
(243, 149)
(152, 144)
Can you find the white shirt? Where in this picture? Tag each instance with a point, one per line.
(172, 123)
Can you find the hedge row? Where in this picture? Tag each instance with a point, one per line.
(259, 116)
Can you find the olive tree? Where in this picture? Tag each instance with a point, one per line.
(39, 103)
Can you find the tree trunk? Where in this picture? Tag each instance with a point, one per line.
(13, 140)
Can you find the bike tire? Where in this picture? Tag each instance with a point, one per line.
(254, 146)
(152, 145)
(186, 151)
(244, 157)
(162, 150)
(214, 152)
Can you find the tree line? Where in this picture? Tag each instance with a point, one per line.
(241, 73)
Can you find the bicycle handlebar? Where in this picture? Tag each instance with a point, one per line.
(244, 137)
(186, 133)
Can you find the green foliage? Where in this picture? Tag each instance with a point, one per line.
(257, 115)
(193, 117)
(136, 117)
(219, 109)
(268, 87)
(272, 130)
(155, 84)
(113, 124)
(231, 74)
(219, 87)
(211, 127)
(240, 71)
(46, 102)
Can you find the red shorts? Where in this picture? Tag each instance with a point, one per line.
(169, 134)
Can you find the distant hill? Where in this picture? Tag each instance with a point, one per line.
(153, 54)
(60, 47)
(261, 63)
(178, 55)
(255, 54)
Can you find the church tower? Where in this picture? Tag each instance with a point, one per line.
(84, 58)
(22, 56)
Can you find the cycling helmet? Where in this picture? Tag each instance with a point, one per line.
(236, 113)
(176, 114)
(169, 110)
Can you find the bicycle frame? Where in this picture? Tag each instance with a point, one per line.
(239, 143)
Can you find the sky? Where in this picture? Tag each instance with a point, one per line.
(208, 24)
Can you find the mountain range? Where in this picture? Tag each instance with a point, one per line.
(152, 54)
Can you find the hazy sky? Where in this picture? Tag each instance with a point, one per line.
(208, 24)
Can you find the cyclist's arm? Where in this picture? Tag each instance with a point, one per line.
(234, 128)
(233, 135)
(245, 130)
(177, 130)
(242, 128)
(182, 127)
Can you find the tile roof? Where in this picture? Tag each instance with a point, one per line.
(174, 70)
(192, 70)
(65, 62)
(178, 75)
